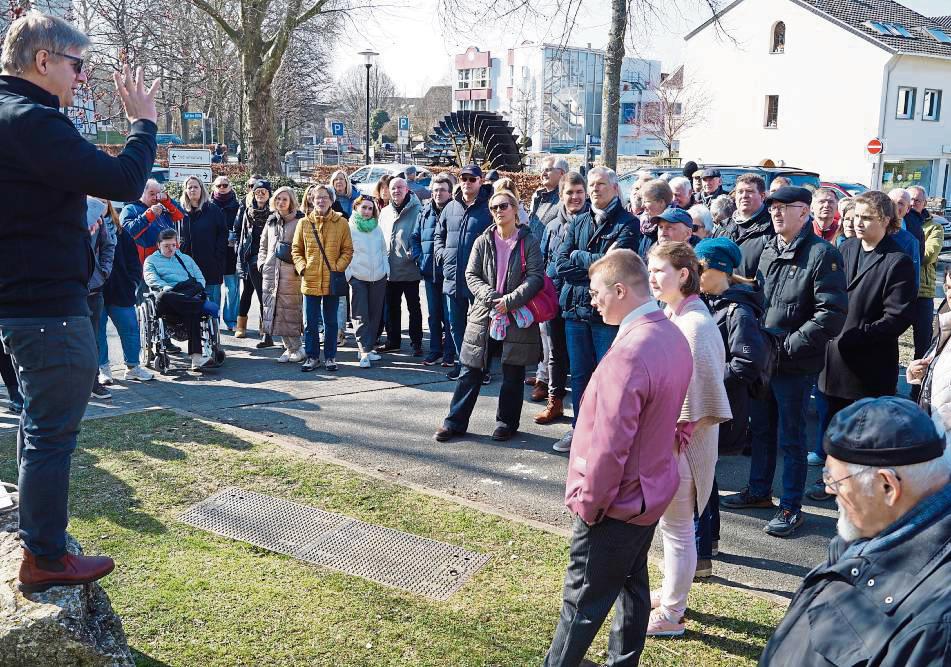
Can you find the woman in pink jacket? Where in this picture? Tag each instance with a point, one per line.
(675, 280)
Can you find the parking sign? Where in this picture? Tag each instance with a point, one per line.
(404, 122)
(336, 129)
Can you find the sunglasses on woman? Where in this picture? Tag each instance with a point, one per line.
(502, 206)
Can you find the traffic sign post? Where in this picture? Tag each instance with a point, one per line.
(176, 173)
(336, 129)
(196, 115)
(404, 123)
(189, 157)
(875, 146)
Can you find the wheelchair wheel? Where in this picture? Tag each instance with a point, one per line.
(146, 336)
(162, 362)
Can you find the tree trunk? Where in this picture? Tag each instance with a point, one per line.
(262, 141)
(611, 97)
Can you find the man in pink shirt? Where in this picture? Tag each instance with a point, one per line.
(622, 473)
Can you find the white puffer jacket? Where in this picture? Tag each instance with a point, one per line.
(370, 258)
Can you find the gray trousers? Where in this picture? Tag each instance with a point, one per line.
(366, 310)
(607, 566)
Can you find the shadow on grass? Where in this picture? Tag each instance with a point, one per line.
(143, 660)
(732, 646)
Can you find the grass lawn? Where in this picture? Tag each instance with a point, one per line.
(190, 598)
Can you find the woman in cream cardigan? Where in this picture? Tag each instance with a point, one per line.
(675, 280)
(367, 275)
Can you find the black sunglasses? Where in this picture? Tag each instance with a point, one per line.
(468, 179)
(501, 206)
(77, 63)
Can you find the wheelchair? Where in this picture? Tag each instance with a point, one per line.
(155, 332)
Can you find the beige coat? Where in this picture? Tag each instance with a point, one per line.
(706, 403)
(334, 232)
(280, 285)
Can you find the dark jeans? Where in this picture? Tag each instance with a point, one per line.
(57, 365)
(440, 337)
(252, 284)
(607, 566)
(922, 323)
(587, 343)
(458, 311)
(395, 293)
(180, 308)
(558, 359)
(822, 416)
(779, 422)
(10, 380)
(707, 524)
(511, 394)
(96, 306)
(733, 434)
(313, 307)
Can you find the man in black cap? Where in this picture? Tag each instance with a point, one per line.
(712, 186)
(464, 219)
(805, 294)
(882, 597)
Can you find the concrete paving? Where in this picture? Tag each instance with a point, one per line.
(382, 419)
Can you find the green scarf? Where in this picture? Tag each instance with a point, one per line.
(365, 225)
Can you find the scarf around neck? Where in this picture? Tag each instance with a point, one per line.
(225, 199)
(601, 215)
(365, 225)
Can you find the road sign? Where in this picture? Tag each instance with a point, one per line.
(404, 123)
(336, 129)
(189, 157)
(875, 146)
(193, 115)
(179, 174)
(404, 137)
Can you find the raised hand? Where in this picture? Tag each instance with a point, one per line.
(139, 104)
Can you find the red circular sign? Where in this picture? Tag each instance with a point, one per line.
(875, 146)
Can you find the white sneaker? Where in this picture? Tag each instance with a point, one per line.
(564, 445)
(138, 373)
(198, 361)
(374, 356)
(297, 356)
(365, 361)
(105, 375)
(284, 358)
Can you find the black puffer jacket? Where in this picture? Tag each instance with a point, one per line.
(229, 207)
(459, 227)
(552, 239)
(751, 236)
(806, 301)
(738, 312)
(585, 243)
(251, 221)
(205, 240)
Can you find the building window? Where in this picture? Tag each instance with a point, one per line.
(906, 103)
(473, 105)
(778, 42)
(464, 75)
(932, 105)
(772, 111)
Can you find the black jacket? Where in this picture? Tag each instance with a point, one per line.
(751, 237)
(914, 223)
(738, 312)
(229, 207)
(705, 199)
(863, 360)
(806, 302)
(205, 239)
(459, 227)
(249, 237)
(552, 239)
(424, 242)
(46, 171)
(888, 609)
(121, 287)
(584, 244)
(545, 205)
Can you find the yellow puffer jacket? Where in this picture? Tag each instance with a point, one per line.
(334, 234)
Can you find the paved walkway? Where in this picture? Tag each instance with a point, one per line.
(383, 418)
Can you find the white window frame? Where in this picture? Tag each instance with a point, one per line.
(935, 114)
(912, 94)
(766, 121)
(463, 79)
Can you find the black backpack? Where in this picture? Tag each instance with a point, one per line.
(772, 344)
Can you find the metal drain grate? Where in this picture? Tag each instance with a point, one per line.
(383, 555)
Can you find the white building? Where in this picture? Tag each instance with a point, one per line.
(553, 94)
(811, 82)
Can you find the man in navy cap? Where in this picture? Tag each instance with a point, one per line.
(805, 294)
(712, 186)
(882, 597)
(674, 226)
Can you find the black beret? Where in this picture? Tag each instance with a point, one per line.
(790, 194)
(710, 173)
(888, 431)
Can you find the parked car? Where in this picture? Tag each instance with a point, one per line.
(365, 178)
(160, 173)
(946, 226)
(165, 138)
(845, 188)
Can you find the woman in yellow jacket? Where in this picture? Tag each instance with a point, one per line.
(314, 268)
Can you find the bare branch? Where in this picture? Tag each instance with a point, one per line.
(235, 35)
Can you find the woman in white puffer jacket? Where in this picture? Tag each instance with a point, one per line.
(367, 274)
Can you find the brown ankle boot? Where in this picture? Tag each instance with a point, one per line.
(540, 391)
(242, 329)
(38, 574)
(552, 411)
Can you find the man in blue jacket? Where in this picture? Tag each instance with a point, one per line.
(45, 270)
(146, 218)
(463, 220)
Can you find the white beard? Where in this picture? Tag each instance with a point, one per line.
(847, 530)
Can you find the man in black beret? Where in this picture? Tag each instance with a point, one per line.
(882, 597)
(712, 186)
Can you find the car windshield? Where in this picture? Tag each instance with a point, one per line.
(854, 189)
(808, 181)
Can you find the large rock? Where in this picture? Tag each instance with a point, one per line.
(66, 625)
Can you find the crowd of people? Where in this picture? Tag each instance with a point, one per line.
(687, 322)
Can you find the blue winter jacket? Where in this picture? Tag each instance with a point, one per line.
(424, 242)
(137, 219)
(459, 227)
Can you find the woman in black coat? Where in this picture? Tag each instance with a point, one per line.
(863, 360)
(224, 198)
(204, 235)
(252, 217)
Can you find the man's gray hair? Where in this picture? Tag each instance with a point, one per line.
(917, 478)
(911, 189)
(701, 215)
(37, 32)
(898, 193)
(607, 172)
(722, 208)
(556, 163)
(679, 183)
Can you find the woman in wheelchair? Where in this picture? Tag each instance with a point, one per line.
(180, 291)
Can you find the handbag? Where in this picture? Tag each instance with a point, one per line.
(544, 305)
(338, 279)
(189, 287)
(283, 252)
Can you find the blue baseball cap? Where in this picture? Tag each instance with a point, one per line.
(675, 215)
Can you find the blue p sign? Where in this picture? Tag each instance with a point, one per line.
(404, 122)
(336, 129)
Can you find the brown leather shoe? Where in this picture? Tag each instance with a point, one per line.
(552, 411)
(540, 391)
(444, 434)
(38, 574)
(530, 381)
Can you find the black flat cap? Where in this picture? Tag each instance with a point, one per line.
(710, 173)
(790, 194)
(888, 431)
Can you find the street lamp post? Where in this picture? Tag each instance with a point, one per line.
(368, 61)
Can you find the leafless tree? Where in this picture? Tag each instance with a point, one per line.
(679, 105)
(524, 112)
(350, 97)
